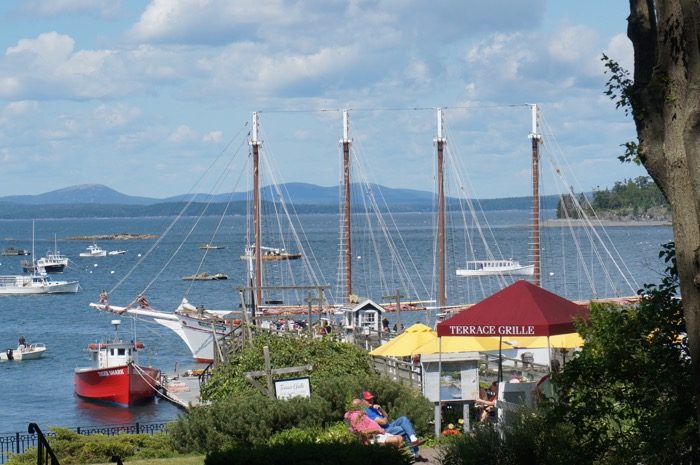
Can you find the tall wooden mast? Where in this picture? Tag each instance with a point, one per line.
(346, 206)
(255, 144)
(535, 245)
(440, 142)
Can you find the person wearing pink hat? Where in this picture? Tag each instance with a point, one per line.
(401, 426)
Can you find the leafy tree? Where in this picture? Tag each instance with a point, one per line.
(626, 394)
(663, 97)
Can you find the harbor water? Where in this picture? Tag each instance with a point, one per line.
(41, 391)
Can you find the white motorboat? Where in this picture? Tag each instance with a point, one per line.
(94, 251)
(24, 352)
(35, 284)
(116, 252)
(495, 268)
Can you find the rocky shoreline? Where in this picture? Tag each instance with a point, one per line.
(554, 223)
(112, 237)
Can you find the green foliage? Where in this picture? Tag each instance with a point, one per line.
(334, 434)
(311, 454)
(73, 448)
(635, 196)
(627, 394)
(245, 421)
(570, 207)
(252, 420)
(329, 358)
(531, 439)
(619, 86)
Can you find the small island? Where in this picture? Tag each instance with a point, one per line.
(635, 201)
(112, 237)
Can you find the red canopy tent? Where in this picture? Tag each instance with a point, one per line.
(521, 309)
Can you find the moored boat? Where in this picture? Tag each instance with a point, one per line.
(35, 284)
(24, 352)
(211, 247)
(495, 268)
(114, 376)
(204, 276)
(94, 250)
(12, 252)
(270, 253)
(53, 262)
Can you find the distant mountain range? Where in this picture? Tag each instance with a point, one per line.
(89, 200)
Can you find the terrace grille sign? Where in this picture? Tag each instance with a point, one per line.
(490, 330)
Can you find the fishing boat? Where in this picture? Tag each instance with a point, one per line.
(12, 252)
(94, 250)
(204, 276)
(35, 283)
(495, 268)
(24, 352)
(53, 262)
(114, 376)
(270, 253)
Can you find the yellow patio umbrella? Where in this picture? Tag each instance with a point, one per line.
(461, 344)
(404, 344)
(559, 341)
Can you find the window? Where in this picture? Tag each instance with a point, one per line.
(121, 351)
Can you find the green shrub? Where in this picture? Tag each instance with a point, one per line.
(531, 440)
(245, 421)
(311, 454)
(329, 359)
(73, 448)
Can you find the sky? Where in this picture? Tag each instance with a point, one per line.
(145, 96)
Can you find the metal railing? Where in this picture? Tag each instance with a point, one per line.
(19, 442)
(44, 453)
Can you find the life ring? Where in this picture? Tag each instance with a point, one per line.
(94, 346)
(138, 345)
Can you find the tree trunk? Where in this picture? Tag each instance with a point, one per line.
(666, 107)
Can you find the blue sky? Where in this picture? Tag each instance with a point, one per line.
(142, 96)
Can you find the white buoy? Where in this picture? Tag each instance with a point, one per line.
(551, 273)
(95, 265)
(359, 257)
(111, 272)
(139, 255)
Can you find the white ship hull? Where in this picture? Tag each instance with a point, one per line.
(25, 285)
(496, 268)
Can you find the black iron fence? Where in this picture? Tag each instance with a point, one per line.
(17, 443)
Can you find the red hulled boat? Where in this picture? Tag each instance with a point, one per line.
(115, 376)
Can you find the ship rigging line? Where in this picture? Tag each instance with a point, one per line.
(181, 212)
(371, 109)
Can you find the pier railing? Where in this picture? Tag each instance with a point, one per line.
(20, 442)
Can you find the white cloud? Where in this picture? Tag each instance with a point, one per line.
(116, 116)
(183, 134)
(47, 49)
(21, 107)
(620, 49)
(213, 136)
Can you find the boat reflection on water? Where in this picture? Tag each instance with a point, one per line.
(92, 413)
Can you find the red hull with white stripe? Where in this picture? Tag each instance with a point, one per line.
(124, 385)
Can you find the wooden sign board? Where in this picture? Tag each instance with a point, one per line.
(292, 387)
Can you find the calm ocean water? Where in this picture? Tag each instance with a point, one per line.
(41, 391)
